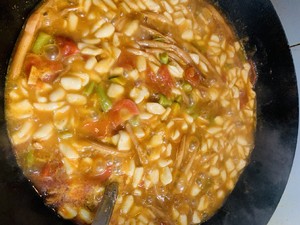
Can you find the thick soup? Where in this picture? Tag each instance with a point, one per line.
(155, 95)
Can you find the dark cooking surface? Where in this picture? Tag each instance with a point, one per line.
(261, 185)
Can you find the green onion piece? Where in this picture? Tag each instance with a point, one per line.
(105, 102)
(164, 101)
(178, 99)
(41, 40)
(30, 158)
(65, 135)
(158, 38)
(134, 121)
(89, 88)
(118, 80)
(187, 87)
(194, 110)
(164, 58)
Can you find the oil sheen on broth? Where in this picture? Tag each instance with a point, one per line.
(156, 95)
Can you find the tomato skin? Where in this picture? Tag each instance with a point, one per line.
(192, 76)
(162, 82)
(48, 69)
(243, 99)
(66, 46)
(126, 60)
(121, 111)
(105, 174)
(46, 171)
(100, 128)
(32, 60)
(49, 169)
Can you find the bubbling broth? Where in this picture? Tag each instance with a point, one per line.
(155, 95)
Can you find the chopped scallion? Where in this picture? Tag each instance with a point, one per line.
(105, 102)
(65, 135)
(30, 158)
(178, 99)
(117, 80)
(164, 101)
(158, 38)
(194, 111)
(134, 121)
(187, 87)
(41, 40)
(89, 88)
(164, 58)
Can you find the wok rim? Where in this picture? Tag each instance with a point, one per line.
(222, 217)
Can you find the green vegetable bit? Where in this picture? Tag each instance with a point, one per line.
(194, 111)
(178, 99)
(65, 135)
(30, 158)
(164, 101)
(41, 40)
(105, 102)
(89, 88)
(134, 121)
(164, 58)
(117, 80)
(187, 87)
(159, 38)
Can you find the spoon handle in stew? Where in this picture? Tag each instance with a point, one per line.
(106, 206)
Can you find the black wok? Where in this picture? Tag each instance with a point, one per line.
(260, 187)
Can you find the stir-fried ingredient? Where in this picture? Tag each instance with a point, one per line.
(155, 95)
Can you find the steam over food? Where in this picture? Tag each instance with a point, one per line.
(155, 95)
